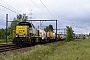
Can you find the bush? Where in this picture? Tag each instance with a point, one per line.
(9, 37)
(83, 37)
(69, 34)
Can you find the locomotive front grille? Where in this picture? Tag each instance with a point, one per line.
(21, 30)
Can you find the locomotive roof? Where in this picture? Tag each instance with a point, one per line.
(26, 24)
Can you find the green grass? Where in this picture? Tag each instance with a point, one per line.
(73, 50)
(4, 41)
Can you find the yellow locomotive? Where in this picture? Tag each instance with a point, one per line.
(26, 34)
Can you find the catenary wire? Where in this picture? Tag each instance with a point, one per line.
(40, 9)
(8, 9)
(47, 9)
(9, 5)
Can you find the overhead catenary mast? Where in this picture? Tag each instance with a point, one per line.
(30, 15)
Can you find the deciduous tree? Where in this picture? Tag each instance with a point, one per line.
(49, 28)
(69, 34)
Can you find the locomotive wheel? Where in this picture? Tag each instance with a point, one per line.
(33, 42)
(48, 40)
(21, 42)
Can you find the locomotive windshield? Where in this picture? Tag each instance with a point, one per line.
(26, 24)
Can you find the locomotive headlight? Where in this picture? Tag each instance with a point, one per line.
(24, 35)
(16, 35)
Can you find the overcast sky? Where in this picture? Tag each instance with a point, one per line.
(73, 13)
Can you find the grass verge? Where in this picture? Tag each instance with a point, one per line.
(73, 50)
(4, 41)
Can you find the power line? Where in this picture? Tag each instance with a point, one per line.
(9, 5)
(40, 9)
(47, 8)
(8, 9)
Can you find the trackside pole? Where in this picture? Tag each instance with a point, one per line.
(56, 30)
(6, 28)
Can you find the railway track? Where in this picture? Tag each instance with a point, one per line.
(8, 47)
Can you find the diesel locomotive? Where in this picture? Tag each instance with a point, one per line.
(26, 34)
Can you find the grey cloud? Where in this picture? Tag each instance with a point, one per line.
(69, 12)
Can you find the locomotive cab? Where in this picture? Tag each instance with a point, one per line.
(22, 35)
